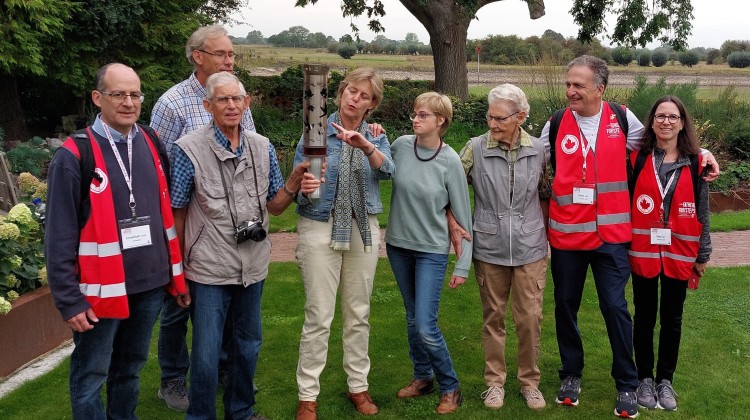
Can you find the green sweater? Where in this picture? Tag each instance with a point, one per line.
(422, 191)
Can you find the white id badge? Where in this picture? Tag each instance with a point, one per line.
(661, 236)
(135, 233)
(583, 194)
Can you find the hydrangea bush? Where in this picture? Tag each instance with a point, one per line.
(21, 257)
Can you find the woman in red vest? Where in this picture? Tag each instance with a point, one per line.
(671, 242)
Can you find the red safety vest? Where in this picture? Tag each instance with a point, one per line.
(676, 260)
(586, 226)
(100, 265)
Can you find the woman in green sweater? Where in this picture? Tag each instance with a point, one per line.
(429, 180)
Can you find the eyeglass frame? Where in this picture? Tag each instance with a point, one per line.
(121, 97)
(660, 118)
(227, 54)
(238, 100)
(422, 116)
(499, 120)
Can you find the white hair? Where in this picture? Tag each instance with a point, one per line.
(510, 93)
(222, 78)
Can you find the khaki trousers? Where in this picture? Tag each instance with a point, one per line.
(326, 272)
(525, 285)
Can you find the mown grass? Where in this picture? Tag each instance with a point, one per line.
(711, 378)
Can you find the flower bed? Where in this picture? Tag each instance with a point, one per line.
(32, 328)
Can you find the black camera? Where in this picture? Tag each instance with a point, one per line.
(249, 229)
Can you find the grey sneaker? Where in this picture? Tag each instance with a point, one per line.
(174, 393)
(646, 393)
(569, 391)
(627, 405)
(666, 396)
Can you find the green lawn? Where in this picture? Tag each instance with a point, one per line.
(711, 378)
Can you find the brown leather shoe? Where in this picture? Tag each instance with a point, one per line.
(416, 388)
(363, 403)
(307, 410)
(449, 402)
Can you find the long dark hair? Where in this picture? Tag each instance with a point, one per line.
(687, 140)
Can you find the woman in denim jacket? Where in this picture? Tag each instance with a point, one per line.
(339, 242)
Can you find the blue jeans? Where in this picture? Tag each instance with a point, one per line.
(212, 307)
(611, 269)
(420, 277)
(114, 351)
(174, 360)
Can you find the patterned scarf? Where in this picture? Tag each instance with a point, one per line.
(350, 197)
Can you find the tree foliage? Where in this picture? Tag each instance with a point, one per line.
(26, 26)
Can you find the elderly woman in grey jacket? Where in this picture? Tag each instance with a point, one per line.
(507, 168)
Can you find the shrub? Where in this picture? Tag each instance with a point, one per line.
(21, 258)
(734, 175)
(659, 57)
(644, 58)
(737, 138)
(713, 56)
(346, 51)
(622, 56)
(739, 59)
(31, 156)
(689, 58)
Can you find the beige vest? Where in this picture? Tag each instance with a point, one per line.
(212, 255)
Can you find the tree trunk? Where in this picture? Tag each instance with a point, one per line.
(447, 24)
(11, 118)
(449, 57)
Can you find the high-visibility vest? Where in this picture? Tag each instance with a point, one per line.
(677, 259)
(100, 265)
(587, 226)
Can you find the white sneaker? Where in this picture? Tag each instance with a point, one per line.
(534, 398)
(494, 397)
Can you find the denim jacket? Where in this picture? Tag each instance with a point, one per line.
(320, 209)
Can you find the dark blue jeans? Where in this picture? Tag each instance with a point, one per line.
(420, 277)
(212, 307)
(114, 351)
(174, 360)
(611, 268)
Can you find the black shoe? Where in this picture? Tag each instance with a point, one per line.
(627, 405)
(569, 391)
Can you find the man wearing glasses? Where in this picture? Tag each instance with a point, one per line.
(177, 112)
(111, 246)
(226, 180)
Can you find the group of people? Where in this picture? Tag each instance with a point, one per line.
(189, 209)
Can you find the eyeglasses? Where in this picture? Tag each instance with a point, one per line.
(220, 54)
(224, 100)
(491, 118)
(672, 118)
(119, 97)
(421, 116)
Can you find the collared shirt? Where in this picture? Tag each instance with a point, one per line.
(118, 137)
(180, 110)
(183, 171)
(511, 155)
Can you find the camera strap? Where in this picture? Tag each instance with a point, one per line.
(255, 179)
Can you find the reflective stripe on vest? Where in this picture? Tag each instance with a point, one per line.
(92, 249)
(103, 290)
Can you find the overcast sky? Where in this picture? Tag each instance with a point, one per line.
(712, 24)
